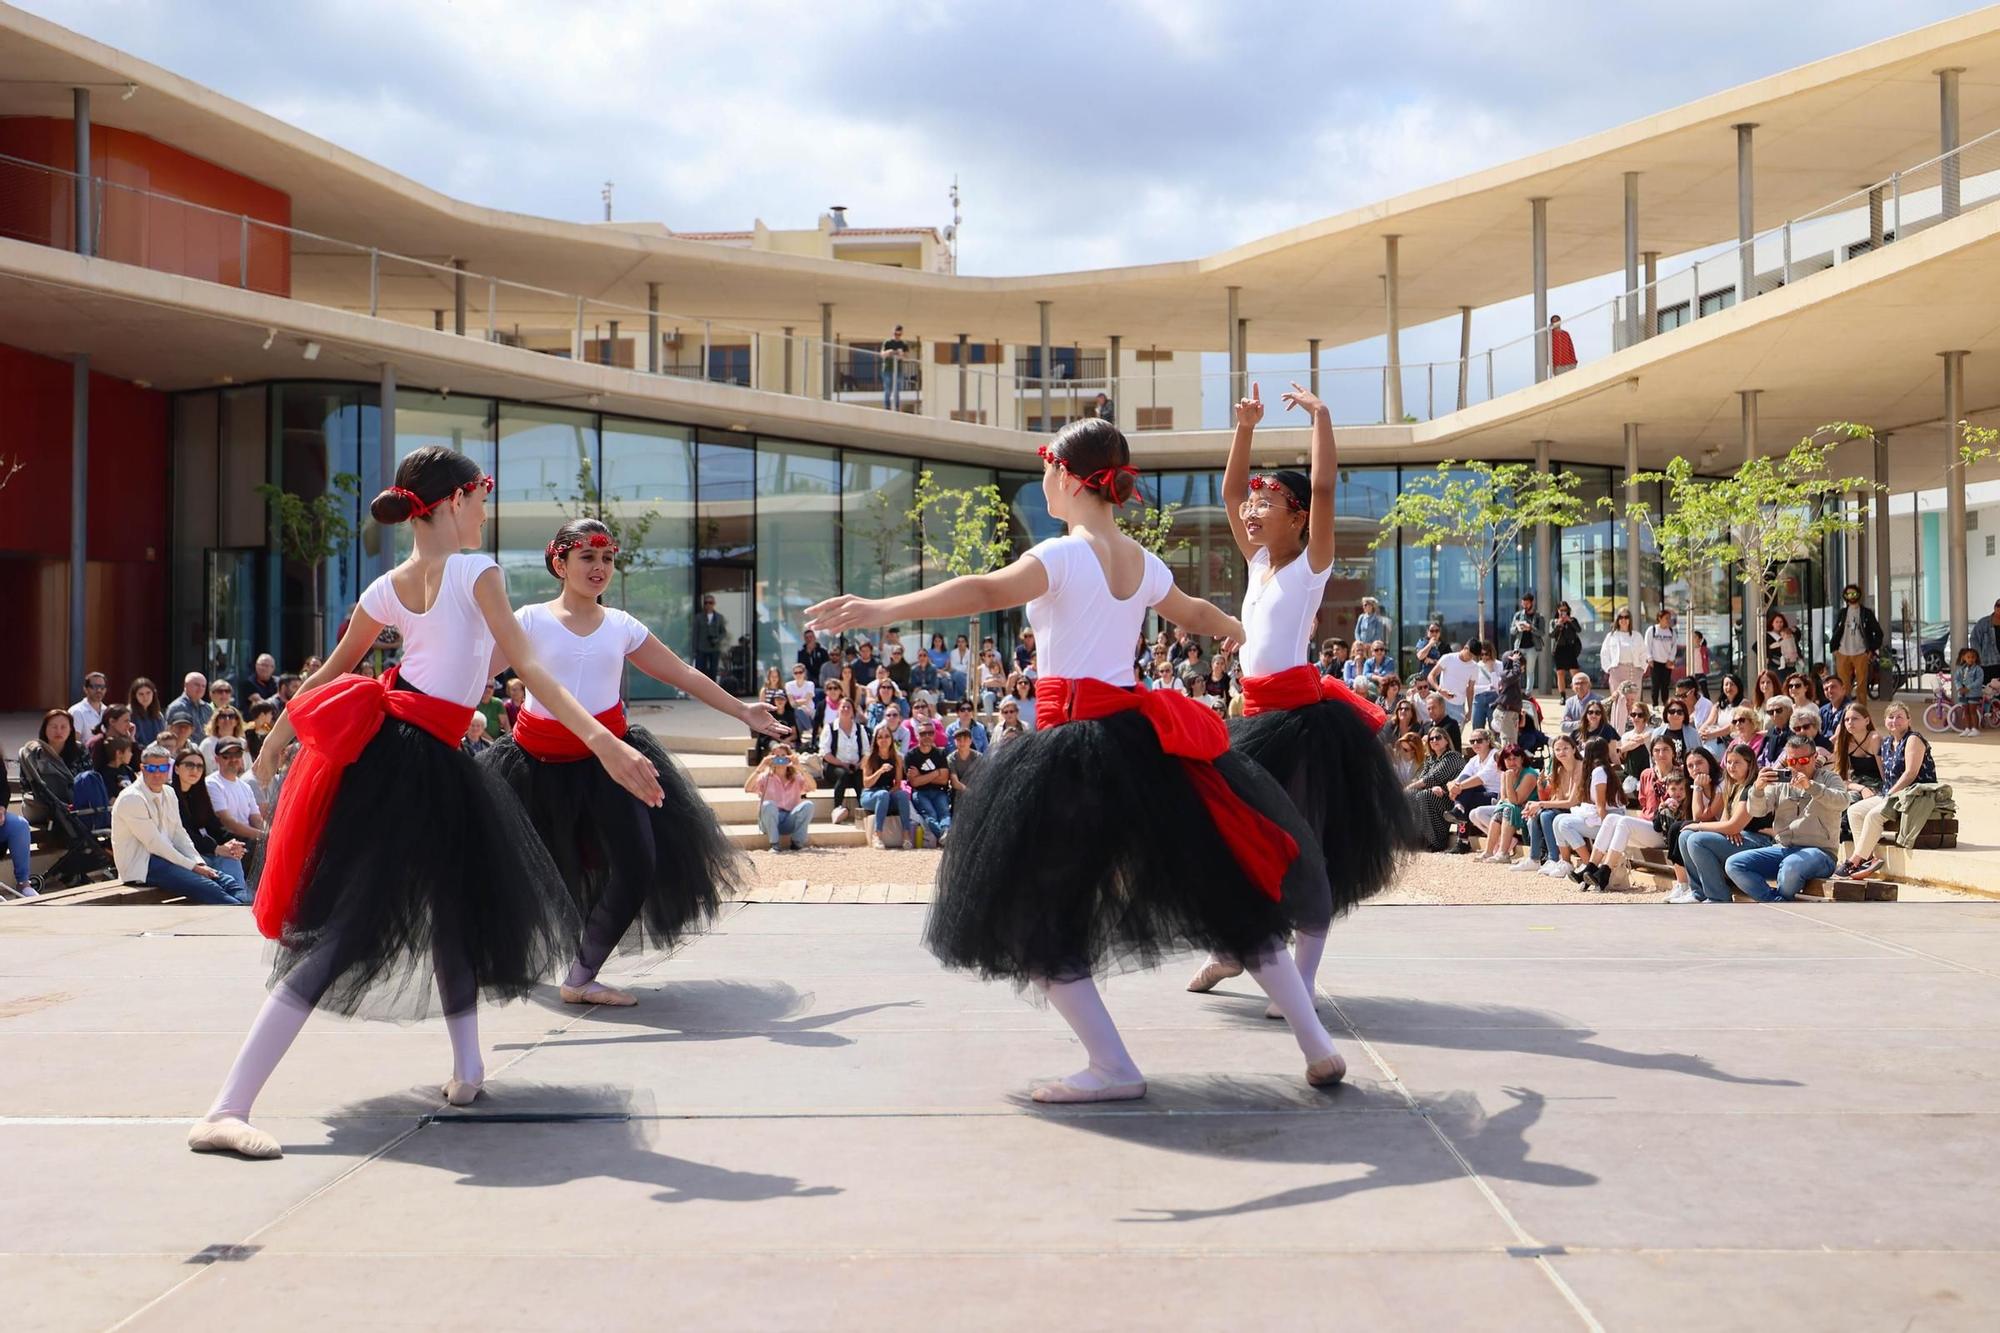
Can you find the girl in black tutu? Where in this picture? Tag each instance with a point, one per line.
(1122, 828)
(1310, 732)
(395, 856)
(665, 867)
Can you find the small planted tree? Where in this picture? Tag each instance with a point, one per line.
(1481, 507)
(962, 531)
(312, 532)
(1152, 526)
(1769, 512)
(628, 530)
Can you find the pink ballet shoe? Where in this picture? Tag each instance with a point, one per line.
(1062, 1090)
(1326, 1072)
(597, 992)
(460, 1093)
(231, 1134)
(1214, 972)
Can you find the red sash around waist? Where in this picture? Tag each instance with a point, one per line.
(334, 722)
(1301, 687)
(1192, 733)
(553, 743)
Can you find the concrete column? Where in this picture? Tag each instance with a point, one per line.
(1464, 352)
(1960, 624)
(80, 112)
(1111, 372)
(1545, 576)
(1043, 308)
(1753, 619)
(826, 349)
(788, 356)
(79, 509)
(1634, 583)
(1312, 365)
(963, 353)
(385, 554)
(458, 297)
(1539, 263)
(1875, 217)
(1878, 535)
(1392, 322)
(1236, 386)
(1949, 170)
(1746, 218)
(611, 344)
(653, 336)
(1632, 293)
(1243, 354)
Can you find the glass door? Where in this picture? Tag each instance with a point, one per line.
(725, 560)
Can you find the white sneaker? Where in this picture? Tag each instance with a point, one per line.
(1683, 893)
(1525, 865)
(1556, 870)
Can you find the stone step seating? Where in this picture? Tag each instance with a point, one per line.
(1652, 865)
(719, 773)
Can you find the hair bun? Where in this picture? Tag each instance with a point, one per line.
(391, 506)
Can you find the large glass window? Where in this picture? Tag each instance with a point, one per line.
(725, 548)
(464, 424)
(1587, 564)
(948, 477)
(320, 435)
(1440, 586)
(1359, 502)
(1201, 551)
(547, 476)
(798, 544)
(647, 487)
(879, 555)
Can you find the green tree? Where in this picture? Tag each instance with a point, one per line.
(1769, 512)
(1481, 507)
(312, 532)
(628, 530)
(962, 531)
(1153, 528)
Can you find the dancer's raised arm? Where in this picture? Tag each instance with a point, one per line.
(1325, 475)
(1236, 473)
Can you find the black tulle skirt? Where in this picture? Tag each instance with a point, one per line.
(1085, 848)
(428, 889)
(1339, 776)
(583, 816)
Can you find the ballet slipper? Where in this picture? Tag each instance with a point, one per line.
(1213, 973)
(231, 1134)
(596, 992)
(460, 1093)
(1063, 1091)
(1326, 1072)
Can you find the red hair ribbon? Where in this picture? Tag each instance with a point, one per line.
(1104, 480)
(420, 508)
(596, 540)
(1273, 484)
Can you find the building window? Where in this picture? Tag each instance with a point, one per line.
(1671, 317)
(729, 365)
(1154, 418)
(1714, 302)
(1972, 520)
(798, 544)
(1989, 546)
(1153, 354)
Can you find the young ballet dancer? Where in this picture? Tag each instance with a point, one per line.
(664, 867)
(395, 856)
(1314, 735)
(1122, 828)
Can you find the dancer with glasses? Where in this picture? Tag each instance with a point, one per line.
(665, 867)
(1310, 732)
(1149, 834)
(395, 858)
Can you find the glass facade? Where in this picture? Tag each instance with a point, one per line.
(646, 485)
(798, 544)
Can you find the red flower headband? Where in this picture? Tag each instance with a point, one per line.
(596, 540)
(419, 508)
(1104, 480)
(1273, 484)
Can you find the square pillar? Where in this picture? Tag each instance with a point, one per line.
(1392, 322)
(1236, 386)
(1111, 373)
(1464, 352)
(1959, 626)
(1949, 166)
(1632, 295)
(1312, 365)
(1634, 583)
(1538, 214)
(1545, 578)
(825, 350)
(1878, 535)
(653, 336)
(80, 114)
(1746, 223)
(1043, 308)
(458, 297)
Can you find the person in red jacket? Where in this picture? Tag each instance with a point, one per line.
(1562, 351)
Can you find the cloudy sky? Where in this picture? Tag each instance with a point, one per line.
(1099, 133)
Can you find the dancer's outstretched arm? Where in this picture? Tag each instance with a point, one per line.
(668, 667)
(1202, 617)
(1236, 473)
(969, 594)
(1325, 475)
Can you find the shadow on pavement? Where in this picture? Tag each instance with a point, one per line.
(711, 1011)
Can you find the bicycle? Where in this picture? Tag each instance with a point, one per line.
(1945, 713)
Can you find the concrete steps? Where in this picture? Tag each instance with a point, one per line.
(717, 768)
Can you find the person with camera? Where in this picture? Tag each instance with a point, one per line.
(1805, 798)
(780, 786)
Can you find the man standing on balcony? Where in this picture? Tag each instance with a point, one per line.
(1562, 351)
(892, 370)
(711, 632)
(1103, 410)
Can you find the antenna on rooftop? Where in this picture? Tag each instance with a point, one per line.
(951, 232)
(606, 193)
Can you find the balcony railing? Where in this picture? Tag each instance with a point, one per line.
(1067, 368)
(858, 370)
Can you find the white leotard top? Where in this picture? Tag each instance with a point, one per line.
(1082, 632)
(1278, 613)
(447, 649)
(590, 666)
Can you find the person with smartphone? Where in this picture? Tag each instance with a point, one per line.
(1805, 798)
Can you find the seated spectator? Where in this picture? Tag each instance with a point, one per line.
(1591, 725)
(1220, 687)
(882, 793)
(1333, 659)
(1805, 722)
(1439, 715)
(965, 722)
(262, 682)
(1402, 721)
(992, 681)
(781, 785)
(1833, 703)
(898, 667)
(1624, 704)
(1010, 728)
(1857, 749)
(949, 683)
(1024, 651)
(235, 800)
(179, 735)
(221, 695)
(1194, 670)
(517, 699)
(1406, 755)
(1581, 696)
(149, 719)
(49, 763)
(476, 741)
(19, 838)
(1165, 677)
(192, 703)
(803, 697)
(923, 718)
(1803, 691)
(1805, 810)
(153, 848)
(1705, 790)
(1478, 783)
(1561, 789)
(961, 668)
(115, 761)
(927, 769)
(1777, 730)
(925, 678)
(1678, 729)
(1634, 745)
(1634, 828)
(963, 764)
(1503, 821)
(840, 745)
(288, 684)
(86, 715)
(1430, 798)
(1603, 796)
(1379, 667)
(221, 849)
(117, 724)
(263, 716)
(1706, 845)
(882, 697)
(224, 724)
(1023, 691)
(1904, 761)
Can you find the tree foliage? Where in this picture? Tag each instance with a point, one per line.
(1153, 528)
(312, 532)
(628, 529)
(1481, 507)
(962, 531)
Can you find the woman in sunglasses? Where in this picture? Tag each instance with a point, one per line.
(396, 858)
(1148, 835)
(664, 868)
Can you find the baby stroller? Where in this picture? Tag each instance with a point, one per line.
(70, 816)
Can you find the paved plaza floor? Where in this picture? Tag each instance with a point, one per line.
(1719, 1119)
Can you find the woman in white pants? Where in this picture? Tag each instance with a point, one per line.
(1602, 796)
(1623, 653)
(1619, 832)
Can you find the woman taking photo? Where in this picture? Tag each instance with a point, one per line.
(1565, 643)
(882, 790)
(781, 787)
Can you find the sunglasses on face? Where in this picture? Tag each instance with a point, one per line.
(157, 768)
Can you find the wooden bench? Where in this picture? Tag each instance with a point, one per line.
(1652, 862)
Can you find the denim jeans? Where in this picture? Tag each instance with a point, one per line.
(1753, 871)
(224, 890)
(1704, 854)
(1542, 835)
(933, 807)
(795, 823)
(228, 865)
(1482, 706)
(1533, 680)
(882, 804)
(18, 836)
(892, 386)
